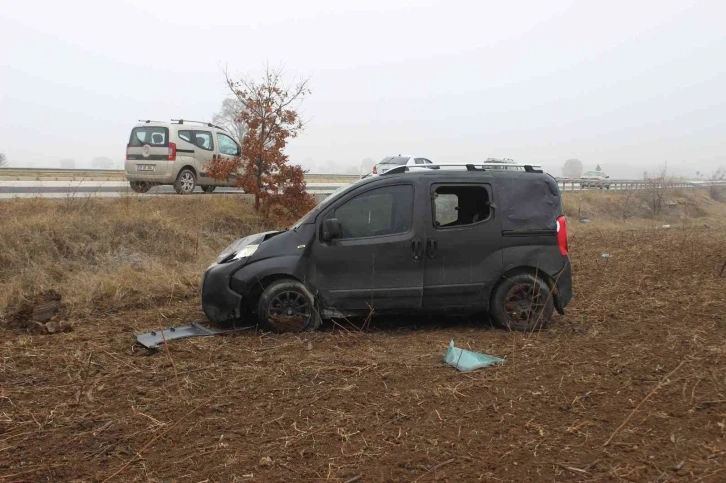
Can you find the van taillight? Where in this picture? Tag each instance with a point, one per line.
(375, 170)
(562, 236)
(127, 152)
(172, 152)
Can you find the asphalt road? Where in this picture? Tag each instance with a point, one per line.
(113, 189)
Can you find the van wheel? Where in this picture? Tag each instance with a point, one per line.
(208, 189)
(287, 306)
(140, 186)
(186, 181)
(522, 302)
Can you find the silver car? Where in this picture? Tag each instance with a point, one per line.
(411, 161)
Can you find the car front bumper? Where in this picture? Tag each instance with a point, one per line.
(220, 303)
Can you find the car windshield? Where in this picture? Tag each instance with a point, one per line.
(397, 160)
(312, 213)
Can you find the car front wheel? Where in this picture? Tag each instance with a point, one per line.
(522, 302)
(287, 306)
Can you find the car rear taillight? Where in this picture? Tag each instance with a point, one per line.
(172, 152)
(562, 235)
(375, 170)
(127, 152)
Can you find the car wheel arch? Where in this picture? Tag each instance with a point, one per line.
(529, 270)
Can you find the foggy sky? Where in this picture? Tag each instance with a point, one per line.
(624, 84)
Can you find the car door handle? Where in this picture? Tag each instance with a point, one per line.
(214, 156)
(416, 249)
(432, 247)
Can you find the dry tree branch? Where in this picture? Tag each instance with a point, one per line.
(660, 384)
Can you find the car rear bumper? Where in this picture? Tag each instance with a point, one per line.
(219, 302)
(563, 287)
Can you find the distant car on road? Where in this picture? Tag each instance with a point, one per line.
(177, 153)
(411, 161)
(594, 179)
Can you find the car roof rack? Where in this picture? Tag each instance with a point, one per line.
(147, 121)
(209, 124)
(529, 168)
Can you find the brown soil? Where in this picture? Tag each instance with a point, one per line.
(629, 386)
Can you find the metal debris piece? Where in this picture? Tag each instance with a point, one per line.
(153, 339)
(584, 220)
(606, 255)
(467, 361)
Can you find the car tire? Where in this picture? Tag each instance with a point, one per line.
(185, 182)
(208, 189)
(140, 186)
(287, 306)
(522, 302)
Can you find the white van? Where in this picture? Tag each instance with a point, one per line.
(177, 153)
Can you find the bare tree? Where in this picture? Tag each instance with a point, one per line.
(572, 168)
(655, 189)
(229, 117)
(3, 160)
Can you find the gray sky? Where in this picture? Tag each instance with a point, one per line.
(626, 84)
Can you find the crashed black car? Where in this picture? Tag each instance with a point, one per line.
(474, 240)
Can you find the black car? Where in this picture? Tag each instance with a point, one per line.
(465, 241)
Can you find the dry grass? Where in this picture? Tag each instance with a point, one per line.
(102, 254)
(629, 386)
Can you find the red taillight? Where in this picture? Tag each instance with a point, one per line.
(375, 170)
(562, 236)
(172, 152)
(127, 152)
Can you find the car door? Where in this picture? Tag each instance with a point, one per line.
(205, 151)
(227, 149)
(377, 262)
(463, 244)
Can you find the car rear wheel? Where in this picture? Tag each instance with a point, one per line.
(522, 302)
(287, 306)
(140, 186)
(208, 189)
(186, 181)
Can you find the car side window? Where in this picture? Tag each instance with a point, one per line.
(203, 139)
(186, 136)
(381, 211)
(460, 205)
(227, 145)
(419, 161)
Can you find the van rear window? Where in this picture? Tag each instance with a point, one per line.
(151, 135)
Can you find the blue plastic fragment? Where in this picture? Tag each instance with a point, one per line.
(467, 361)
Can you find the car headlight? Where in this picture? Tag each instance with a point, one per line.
(245, 252)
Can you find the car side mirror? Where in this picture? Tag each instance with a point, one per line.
(331, 229)
(607, 176)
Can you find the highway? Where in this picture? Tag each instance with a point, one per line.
(114, 189)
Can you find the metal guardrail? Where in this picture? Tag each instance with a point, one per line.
(625, 184)
(119, 173)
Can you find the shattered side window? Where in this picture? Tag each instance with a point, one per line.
(378, 212)
(460, 205)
